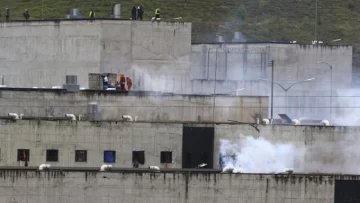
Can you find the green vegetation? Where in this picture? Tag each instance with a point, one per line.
(256, 19)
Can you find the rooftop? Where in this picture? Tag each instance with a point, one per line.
(113, 92)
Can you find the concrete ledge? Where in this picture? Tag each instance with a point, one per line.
(116, 92)
(162, 170)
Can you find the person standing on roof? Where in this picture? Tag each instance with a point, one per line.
(92, 14)
(140, 13)
(26, 14)
(157, 13)
(128, 83)
(133, 13)
(7, 15)
(122, 82)
(106, 81)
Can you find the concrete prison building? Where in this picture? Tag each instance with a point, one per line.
(42, 53)
(159, 56)
(170, 128)
(76, 150)
(241, 66)
(66, 143)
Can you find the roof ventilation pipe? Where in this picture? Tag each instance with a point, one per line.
(295, 122)
(72, 116)
(266, 121)
(44, 166)
(13, 116)
(117, 11)
(325, 122)
(105, 167)
(154, 168)
(127, 118)
(220, 39)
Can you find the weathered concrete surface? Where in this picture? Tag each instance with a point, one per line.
(241, 65)
(94, 187)
(41, 53)
(67, 136)
(293, 62)
(147, 106)
(328, 149)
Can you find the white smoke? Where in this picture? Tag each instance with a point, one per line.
(349, 111)
(158, 80)
(250, 155)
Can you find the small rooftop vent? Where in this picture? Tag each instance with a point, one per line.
(117, 11)
(238, 37)
(71, 83)
(74, 13)
(71, 80)
(220, 38)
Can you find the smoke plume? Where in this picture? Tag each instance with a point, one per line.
(325, 154)
(348, 113)
(250, 155)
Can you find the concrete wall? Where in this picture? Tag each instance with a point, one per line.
(94, 137)
(327, 149)
(147, 106)
(94, 187)
(241, 65)
(41, 53)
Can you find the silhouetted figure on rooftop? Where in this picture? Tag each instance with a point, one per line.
(133, 13)
(140, 13)
(7, 15)
(26, 14)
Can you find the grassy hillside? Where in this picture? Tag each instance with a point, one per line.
(256, 19)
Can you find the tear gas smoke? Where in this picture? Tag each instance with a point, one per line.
(250, 155)
(152, 80)
(348, 114)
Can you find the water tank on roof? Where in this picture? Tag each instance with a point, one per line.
(117, 11)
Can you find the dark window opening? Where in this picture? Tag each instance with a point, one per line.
(52, 155)
(23, 155)
(347, 191)
(188, 158)
(80, 155)
(204, 158)
(198, 147)
(166, 157)
(138, 157)
(109, 156)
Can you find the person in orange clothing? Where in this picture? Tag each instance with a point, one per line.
(128, 83)
(122, 82)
